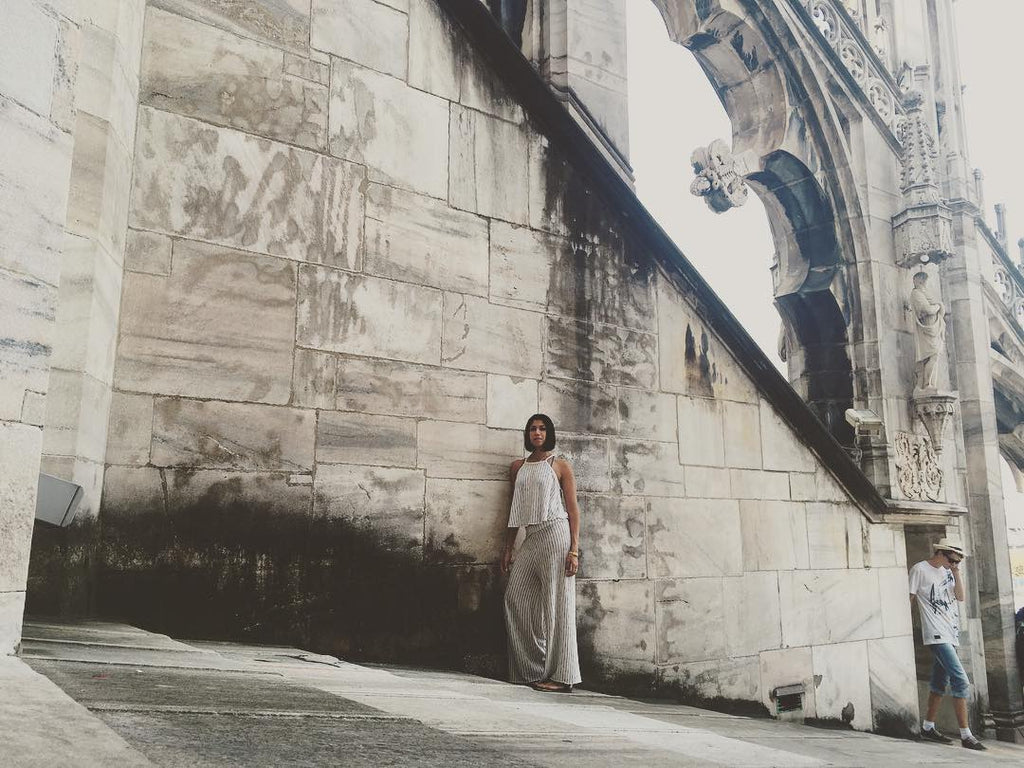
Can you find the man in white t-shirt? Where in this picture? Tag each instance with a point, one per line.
(936, 586)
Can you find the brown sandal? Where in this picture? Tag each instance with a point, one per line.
(550, 686)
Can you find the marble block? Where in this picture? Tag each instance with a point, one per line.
(130, 430)
(363, 315)
(386, 501)
(200, 71)
(12, 610)
(736, 678)
(193, 333)
(826, 536)
(893, 680)
(357, 438)
(27, 319)
(835, 606)
(399, 133)
(646, 469)
(28, 40)
(467, 451)
(436, 52)
(107, 78)
(480, 336)
(465, 520)
(616, 619)
(613, 538)
(893, 593)
(314, 379)
(521, 261)
(279, 22)
(691, 620)
(510, 401)
(845, 683)
(701, 435)
(488, 170)
(219, 435)
(647, 415)
(708, 482)
(307, 69)
(788, 666)
(578, 406)
(77, 410)
(422, 240)
(589, 459)
(20, 446)
(757, 484)
(483, 89)
(404, 389)
(782, 447)
(774, 535)
(363, 31)
(148, 252)
(602, 353)
(207, 490)
(752, 613)
(689, 538)
(133, 491)
(741, 435)
(881, 546)
(223, 186)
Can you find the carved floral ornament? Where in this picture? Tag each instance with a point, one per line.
(719, 176)
(917, 467)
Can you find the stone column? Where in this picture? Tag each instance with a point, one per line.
(989, 565)
(38, 49)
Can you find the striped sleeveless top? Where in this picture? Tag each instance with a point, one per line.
(537, 496)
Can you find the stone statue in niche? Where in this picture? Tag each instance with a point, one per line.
(929, 333)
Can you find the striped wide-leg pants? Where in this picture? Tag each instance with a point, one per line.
(540, 608)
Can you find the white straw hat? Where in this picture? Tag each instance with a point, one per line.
(950, 545)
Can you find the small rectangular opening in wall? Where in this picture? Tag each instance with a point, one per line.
(788, 698)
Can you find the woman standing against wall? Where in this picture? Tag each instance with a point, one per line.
(540, 600)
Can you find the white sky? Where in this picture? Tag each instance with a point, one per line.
(673, 109)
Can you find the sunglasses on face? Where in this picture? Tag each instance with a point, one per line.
(952, 561)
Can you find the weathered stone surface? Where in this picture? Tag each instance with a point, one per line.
(361, 315)
(480, 336)
(467, 451)
(314, 379)
(33, 192)
(226, 187)
(436, 53)
(675, 549)
(77, 408)
(691, 620)
(133, 491)
(616, 619)
(589, 459)
(279, 22)
(107, 83)
(363, 31)
(774, 535)
(402, 389)
(208, 490)
(893, 680)
(788, 666)
(756, 484)
(488, 173)
(613, 538)
(730, 678)
(197, 70)
(826, 536)
(65, 73)
(483, 89)
(605, 353)
(648, 469)
(782, 448)
(465, 520)
(20, 446)
(751, 607)
(692, 360)
(510, 401)
(193, 332)
(647, 415)
(28, 41)
(27, 319)
(12, 609)
(422, 240)
(577, 406)
(131, 429)
(843, 670)
(217, 435)
(357, 438)
(701, 436)
(893, 589)
(708, 482)
(520, 265)
(385, 500)
(399, 133)
(741, 435)
(307, 69)
(148, 252)
(820, 607)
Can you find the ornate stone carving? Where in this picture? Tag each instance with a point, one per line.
(929, 334)
(917, 468)
(719, 176)
(935, 410)
(842, 26)
(924, 228)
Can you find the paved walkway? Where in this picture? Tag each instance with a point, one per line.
(99, 694)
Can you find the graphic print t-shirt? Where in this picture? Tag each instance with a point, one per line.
(940, 616)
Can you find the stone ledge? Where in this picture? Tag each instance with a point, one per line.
(914, 513)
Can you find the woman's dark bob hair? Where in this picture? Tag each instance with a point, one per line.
(549, 443)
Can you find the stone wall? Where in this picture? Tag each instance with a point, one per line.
(38, 41)
(354, 266)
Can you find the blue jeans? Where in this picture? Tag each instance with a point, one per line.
(947, 670)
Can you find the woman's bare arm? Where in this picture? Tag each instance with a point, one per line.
(568, 483)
